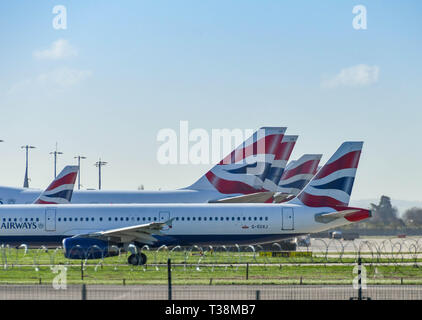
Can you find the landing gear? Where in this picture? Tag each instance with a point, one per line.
(137, 259)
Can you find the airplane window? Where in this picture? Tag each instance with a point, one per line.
(238, 218)
(149, 218)
(137, 219)
(227, 218)
(64, 219)
(121, 218)
(92, 219)
(127, 218)
(188, 218)
(199, 219)
(143, 219)
(254, 218)
(76, 219)
(37, 219)
(26, 219)
(205, 218)
(101, 219)
(249, 218)
(183, 218)
(177, 218)
(86, 219)
(210, 218)
(221, 219)
(15, 219)
(244, 218)
(193, 219)
(115, 219)
(232, 218)
(266, 218)
(32, 219)
(70, 219)
(109, 219)
(59, 219)
(260, 218)
(10, 219)
(155, 218)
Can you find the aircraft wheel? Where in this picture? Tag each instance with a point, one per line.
(133, 259)
(143, 259)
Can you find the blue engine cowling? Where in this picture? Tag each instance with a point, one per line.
(87, 248)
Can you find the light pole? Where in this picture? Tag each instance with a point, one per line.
(99, 164)
(79, 157)
(55, 160)
(25, 182)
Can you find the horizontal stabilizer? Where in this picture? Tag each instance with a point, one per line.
(350, 214)
(258, 197)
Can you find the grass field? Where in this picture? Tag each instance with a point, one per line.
(190, 267)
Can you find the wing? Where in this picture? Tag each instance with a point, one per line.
(141, 233)
(258, 197)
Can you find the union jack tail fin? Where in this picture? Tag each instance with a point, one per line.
(243, 171)
(333, 184)
(61, 189)
(298, 173)
(278, 166)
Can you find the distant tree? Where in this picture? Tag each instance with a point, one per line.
(413, 217)
(385, 215)
(141, 187)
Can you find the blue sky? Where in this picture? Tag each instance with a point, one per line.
(128, 69)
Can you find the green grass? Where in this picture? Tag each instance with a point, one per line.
(34, 267)
(211, 275)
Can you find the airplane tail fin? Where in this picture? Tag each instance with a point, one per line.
(243, 171)
(298, 173)
(278, 166)
(61, 189)
(332, 185)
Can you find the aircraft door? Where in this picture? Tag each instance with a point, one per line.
(287, 216)
(50, 219)
(164, 216)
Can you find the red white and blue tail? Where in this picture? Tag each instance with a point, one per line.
(243, 171)
(332, 185)
(278, 166)
(298, 173)
(61, 189)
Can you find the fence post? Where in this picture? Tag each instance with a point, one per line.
(82, 269)
(169, 277)
(359, 279)
(247, 270)
(258, 295)
(84, 291)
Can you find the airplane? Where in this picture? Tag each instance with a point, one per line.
(95, 231)
(240, 175)
(61, 189)
(296, 176)
(279, 164)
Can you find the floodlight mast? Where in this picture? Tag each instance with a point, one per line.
(99, 164)
(26, 179)
(79, 157)
(55, 160)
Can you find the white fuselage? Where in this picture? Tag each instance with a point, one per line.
(201, 224)
(9, 195)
